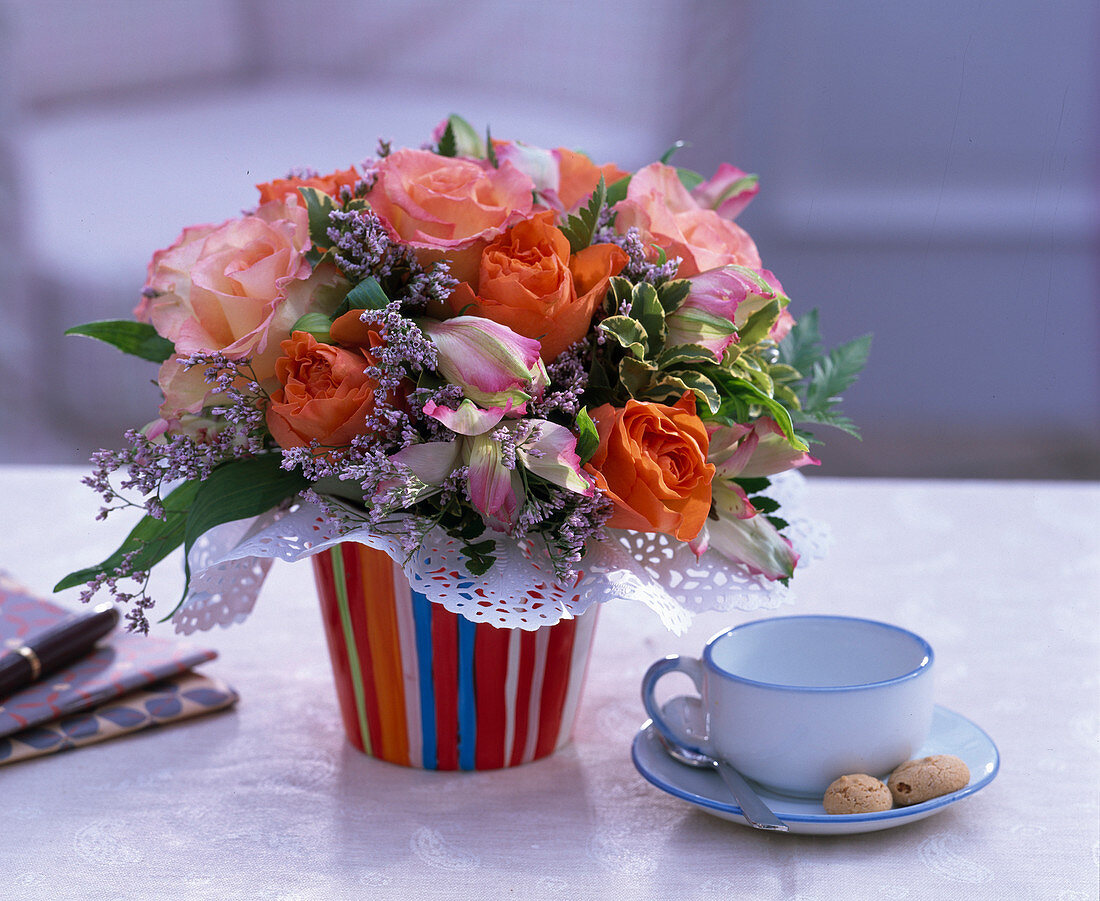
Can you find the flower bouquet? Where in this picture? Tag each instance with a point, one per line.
(523, 377)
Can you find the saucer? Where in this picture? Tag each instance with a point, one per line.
(951, 734)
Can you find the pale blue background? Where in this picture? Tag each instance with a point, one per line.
(928, 173)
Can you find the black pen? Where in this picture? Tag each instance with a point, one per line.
(54, 647)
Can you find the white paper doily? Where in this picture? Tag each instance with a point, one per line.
(229, 563)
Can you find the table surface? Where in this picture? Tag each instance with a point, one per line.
(268, 800)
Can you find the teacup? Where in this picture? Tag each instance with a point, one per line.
(794, 702)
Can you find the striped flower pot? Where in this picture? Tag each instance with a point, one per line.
(424, 687)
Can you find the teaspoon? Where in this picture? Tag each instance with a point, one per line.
(753, 808)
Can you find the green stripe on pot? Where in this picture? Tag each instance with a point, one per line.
(340, 579)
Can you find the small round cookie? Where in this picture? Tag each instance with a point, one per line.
(858, 793)
(926, 778)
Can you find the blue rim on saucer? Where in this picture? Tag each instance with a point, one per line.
(951, 733)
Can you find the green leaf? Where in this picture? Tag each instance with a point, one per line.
(684, 354)
(318, 206)
(739, 394)
(448, 146)
(835, 373)
(317, 324)
(801, 348)
(617, 191)
(673, 294)
(236, 490)
(759, 324)
(367, 295)
(467, 141)
(490, 151)
(588, 438)
(647, 310)
(668, 154)
(689, 179)
(580, 228)
(153, 539)
(628, 332)
(753, 485)
(139, 339)
(636, 375)
(702, 386)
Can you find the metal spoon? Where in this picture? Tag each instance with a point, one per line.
(752, 806)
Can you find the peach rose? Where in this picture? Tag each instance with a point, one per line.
(447, 206)
(326, 396)
(282, 188)
(225, 287)
(529, 282)
(652, 464)
(666, 214)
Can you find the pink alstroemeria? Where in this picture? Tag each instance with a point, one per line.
(492, 365)
(727, 192)
(719, 302)
(753, 451)
(751, 540)
(539, 165)
(544, 448)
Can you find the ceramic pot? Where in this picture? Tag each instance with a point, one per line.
(422, 687)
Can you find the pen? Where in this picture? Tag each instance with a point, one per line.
(53, 648)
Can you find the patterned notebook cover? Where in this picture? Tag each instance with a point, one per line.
(168, 701)
(120, 664)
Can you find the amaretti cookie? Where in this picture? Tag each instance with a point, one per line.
(926, 778)
(857, 793)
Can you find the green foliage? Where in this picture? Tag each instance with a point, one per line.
(689, 179)
(580, 228)
(367, 295)
(588, 438)
(823, 375)
(490, 151)
(317, 324)
(139, 339)
(668, 154)
(448, 145)
(617, 190)
(153, 539)
(318, 206)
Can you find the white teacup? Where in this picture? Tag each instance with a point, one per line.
(794, 702)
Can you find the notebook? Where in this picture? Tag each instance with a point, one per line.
(101, 685)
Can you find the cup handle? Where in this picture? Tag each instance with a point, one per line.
(693, 669)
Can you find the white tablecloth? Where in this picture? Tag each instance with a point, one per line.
(269, 801)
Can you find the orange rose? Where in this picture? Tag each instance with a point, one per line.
(281, 188)
(529, 282)
(652, 464)
(326, 396)
(447, 207)
(579, 176)
(665, 214)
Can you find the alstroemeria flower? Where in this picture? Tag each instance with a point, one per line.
(751, 540)
(753, 451)
(727, 192)
(493, 457)
(492, 365)
(721, 300)
(735, 528)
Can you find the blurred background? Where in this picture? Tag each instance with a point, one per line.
(928, 172)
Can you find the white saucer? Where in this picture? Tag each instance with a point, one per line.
(951, 734)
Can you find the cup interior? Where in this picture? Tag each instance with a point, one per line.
(818, 652)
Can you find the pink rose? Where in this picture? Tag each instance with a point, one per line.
(447, 206)
(225, 288)
(666, 214)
